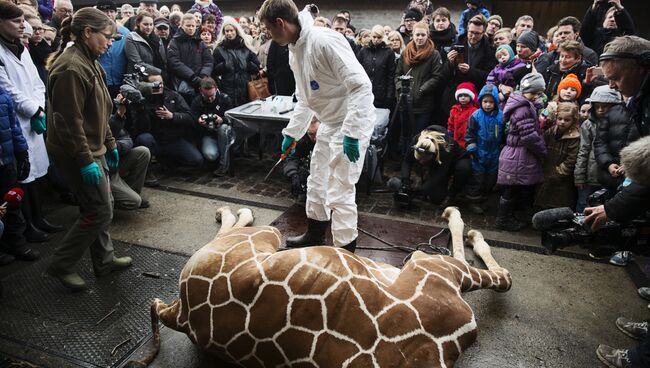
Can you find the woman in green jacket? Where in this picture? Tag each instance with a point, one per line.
(81, 144)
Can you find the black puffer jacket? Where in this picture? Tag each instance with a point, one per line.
(181, 125)
(379, 63)
(188, 57)
(614, 133)
(233, 65)
(281, 79)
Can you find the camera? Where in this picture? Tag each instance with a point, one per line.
(210, 120)
(565, 229)
(405, 83)
(313, 9)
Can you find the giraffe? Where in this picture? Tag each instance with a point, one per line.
(323, 306)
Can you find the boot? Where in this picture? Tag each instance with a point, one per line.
(118, 264)
(71, 281)
(150, 180)
(35, 205)
(43, 224)
(32, 233)
(315, 235)
(505, 219)
(351, 247)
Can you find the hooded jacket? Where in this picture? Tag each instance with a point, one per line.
(485, 134)
(508, 73)
(233, 65)
(139, 52)
(457, 122)
(188, 57)
(379, 62)
(520, 160)
(11, 136)
(330, 82)
(114, 60)
(558, 189)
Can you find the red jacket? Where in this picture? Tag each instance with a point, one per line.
(457, 123)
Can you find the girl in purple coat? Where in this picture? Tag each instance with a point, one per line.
(520, 160)
(503, 75)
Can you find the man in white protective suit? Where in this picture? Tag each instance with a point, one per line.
(331, 83)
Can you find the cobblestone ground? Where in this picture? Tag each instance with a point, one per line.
(249, 176)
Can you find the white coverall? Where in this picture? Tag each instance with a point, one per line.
(331, 83)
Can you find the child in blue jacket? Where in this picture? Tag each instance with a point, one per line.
(484, 138)
(474, 7)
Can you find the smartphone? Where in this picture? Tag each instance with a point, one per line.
(598, 71)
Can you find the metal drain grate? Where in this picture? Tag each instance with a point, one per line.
(38, 312)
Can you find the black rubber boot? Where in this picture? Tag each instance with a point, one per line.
(315, 235)
(351, 247)
(505, 219)
(32, 233)
(37, 216)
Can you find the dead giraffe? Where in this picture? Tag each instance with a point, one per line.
(323, 306)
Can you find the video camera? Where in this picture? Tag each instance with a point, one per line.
(402, 191)
(561, 228)
(136, 86)
(210, 120)
(405, 83)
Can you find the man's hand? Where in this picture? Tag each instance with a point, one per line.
(614, 170)
(506, 90)
(616, 3)
(452, 55)
(164, 114)
(201, 121)
(463, 68)
(596, 216)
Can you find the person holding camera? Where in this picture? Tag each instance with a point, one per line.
(296, 166)
(165, 125)
(82, 146)
(208, 109)
(127, 181)
(470, 60)
(604, 21)
(439, 158)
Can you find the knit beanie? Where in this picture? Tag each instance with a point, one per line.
(570, 80)
(529, 39)
(466, 88)
(509, 49)
(532, 82)
(29, 31)
(497, 18)
(413, 14)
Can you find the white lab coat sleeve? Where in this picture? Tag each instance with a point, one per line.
(302, 115)
(360, 117)
(24, 104)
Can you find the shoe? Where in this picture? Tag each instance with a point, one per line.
(71, 281)
(6, 259)
(315, 235)
(34, 235)
(635, 330)
(505, 218)
(117, 265)
(613, 358)
(476, 209)
(44, 225)
(23, 253)
(621, 258)
(601, 253)
(351, 247)
(220, 172)
(150, 180)
(644, 292)
(144, 203)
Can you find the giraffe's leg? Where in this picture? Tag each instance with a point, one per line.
(227, 219)
(456, 226)
(157, 308)
(482, 249)
(245, 217)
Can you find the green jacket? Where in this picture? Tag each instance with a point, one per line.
(426, 80)
(79, 107)
(558, 188)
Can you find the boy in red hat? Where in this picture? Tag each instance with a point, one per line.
(461, 111)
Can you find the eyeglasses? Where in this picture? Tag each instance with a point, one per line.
(64, 11)
(38, 29)
(111, 36)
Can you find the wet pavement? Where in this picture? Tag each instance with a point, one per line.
(556, 314)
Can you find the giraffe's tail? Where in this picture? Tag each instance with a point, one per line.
(151, 354)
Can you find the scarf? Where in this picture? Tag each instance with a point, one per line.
(236, 43)
(413, 56)
(16, 47)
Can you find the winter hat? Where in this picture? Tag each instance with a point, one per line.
(604, 94)
(532, 82)
(529, 39)
(413, 14)
(570, 80)
(106, 5)
(473, 2)
(509, 49)
(497, 18)
(29, 31)
(466, 88)
(636, 160)
(161, 21)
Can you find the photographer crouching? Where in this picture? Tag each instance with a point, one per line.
(626, 64)
(208, 109)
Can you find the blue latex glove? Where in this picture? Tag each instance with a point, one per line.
(91, 173)
(38, 123)
(351, 148)
(286, 142)
(113, 159)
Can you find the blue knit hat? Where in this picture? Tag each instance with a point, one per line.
(510, 52)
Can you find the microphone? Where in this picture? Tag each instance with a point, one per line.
(547, 219)
(13, 198)
(394, 184)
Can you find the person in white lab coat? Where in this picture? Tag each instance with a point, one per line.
(332, 84)
(19, 76)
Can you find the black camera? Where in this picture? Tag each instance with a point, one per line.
(313, 9)
(135, 86)
(405, 83)
(210, 120)
(561, 228)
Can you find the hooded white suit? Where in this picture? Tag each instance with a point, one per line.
(331, 83)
